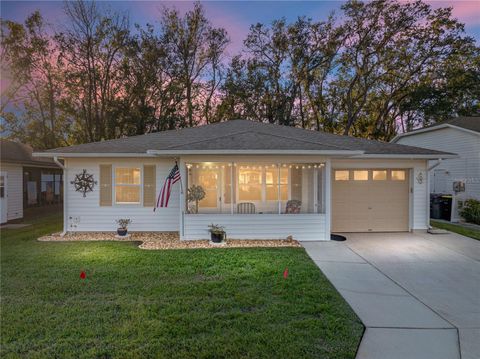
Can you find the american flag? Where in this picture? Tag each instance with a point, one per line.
(164, 195)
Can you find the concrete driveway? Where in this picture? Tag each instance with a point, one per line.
(418, 295)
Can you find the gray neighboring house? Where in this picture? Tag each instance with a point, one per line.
(26, 181)
(459, 177)
(260, 181)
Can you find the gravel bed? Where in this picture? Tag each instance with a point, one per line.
(167, 240)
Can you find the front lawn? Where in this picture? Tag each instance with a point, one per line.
(469, 232)
(202, 303)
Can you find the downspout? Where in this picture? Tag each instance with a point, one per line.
(62, 166)
(429, 169)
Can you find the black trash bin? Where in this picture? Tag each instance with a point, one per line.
(446, 207)
(435, 206)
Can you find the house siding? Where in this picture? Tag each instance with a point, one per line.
(14, 191)
(85, 213)
(302, 227)
(464, 168)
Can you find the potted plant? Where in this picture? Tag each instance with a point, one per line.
(122, 226)
(195, 194)
(217, 233)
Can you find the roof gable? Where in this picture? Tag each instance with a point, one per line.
(468, 124)
(19, 153)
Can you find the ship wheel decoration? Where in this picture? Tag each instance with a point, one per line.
(84, 182)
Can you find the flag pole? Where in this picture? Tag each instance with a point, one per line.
(179, 170)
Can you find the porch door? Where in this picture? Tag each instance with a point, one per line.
(210, 180)
(3, 197)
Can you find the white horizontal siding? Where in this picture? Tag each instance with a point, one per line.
(303, 227)
(85, 213)
(14, 190)
(419, 197)
(465, 168)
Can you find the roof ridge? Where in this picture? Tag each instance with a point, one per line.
(302, 140)
(206, 139)
(321, 132)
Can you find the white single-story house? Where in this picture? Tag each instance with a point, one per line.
(460, 176)
(260, 181)
(26, 181)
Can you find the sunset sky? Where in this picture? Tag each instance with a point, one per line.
(235, 16)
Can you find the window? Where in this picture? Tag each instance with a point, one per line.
(250, 183)
(127, 185)
(342, 175)
(360, 175)
(398, 175)
(272, 185)
(380, 175)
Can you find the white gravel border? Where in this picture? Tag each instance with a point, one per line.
(167, 240)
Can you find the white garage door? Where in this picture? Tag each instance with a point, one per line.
(370, 200)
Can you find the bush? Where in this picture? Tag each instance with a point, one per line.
(471, 211)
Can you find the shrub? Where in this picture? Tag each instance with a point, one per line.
(123, 222)
(471, 211)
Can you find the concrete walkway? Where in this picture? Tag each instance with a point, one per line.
(418, 295)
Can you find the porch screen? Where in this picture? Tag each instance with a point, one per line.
(260, 188)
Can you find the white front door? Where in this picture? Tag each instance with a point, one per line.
(210, 180)
(3, 197)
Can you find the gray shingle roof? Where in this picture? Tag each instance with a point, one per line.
(19, 153)
(469, 123)
(243, 135)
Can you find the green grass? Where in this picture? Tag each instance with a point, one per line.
(469, 232)
(205, 303)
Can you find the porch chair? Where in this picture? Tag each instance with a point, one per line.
(245, 208)
(293, 206)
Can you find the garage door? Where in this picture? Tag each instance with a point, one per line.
(370, 200)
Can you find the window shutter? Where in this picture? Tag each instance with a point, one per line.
(105, 185)
(149, 185)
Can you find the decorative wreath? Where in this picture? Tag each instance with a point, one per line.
(84, 182)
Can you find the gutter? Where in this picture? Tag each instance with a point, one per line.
(62, 166)
(254, 152)
(429, 169)
(90, 154)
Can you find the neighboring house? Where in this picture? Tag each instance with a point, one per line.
(459, 177)
(261, 181)
(26, 181)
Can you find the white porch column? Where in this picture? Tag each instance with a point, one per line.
(181, 205)
(328, 198)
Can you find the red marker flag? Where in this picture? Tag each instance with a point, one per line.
(83, 275)
(285, 273)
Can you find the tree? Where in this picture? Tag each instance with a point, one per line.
(193, 46)
(29, 56)
(90, 54)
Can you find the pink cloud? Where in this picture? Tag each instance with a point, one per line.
(236, 28)
(467, 12)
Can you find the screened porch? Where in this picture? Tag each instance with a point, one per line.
(255, 188)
